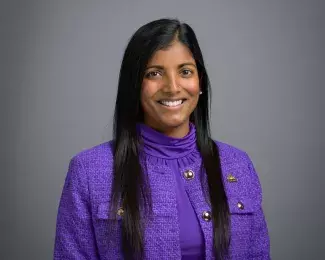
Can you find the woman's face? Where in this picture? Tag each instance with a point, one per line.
(170, 90)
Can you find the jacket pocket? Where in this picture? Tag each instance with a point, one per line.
(242, 205)
(108, 231)
(106, 220)
(242, 212)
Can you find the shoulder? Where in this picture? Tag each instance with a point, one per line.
(96, 160)
(95, 154)
(231, 153)
(91, 170)
(234, 157)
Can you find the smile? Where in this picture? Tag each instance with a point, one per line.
(173, 103)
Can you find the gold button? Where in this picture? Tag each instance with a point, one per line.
(120, 212)
(206, 215)
(240, 205)
(231, 178)
(189, 175)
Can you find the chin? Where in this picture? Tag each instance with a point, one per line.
(173, 123)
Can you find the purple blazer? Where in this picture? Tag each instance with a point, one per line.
(83, 222)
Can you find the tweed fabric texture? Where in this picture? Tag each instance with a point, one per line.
(175, 154)
(83, 229)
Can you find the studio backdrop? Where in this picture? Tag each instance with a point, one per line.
(59, 71)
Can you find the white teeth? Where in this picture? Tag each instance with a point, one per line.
(171, 103)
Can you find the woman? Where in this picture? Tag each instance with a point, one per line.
(162, 188)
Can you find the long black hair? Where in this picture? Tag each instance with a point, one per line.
(130, 185)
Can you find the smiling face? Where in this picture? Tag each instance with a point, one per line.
(170, 90)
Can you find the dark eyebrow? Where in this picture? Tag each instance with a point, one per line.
(179, 66)
(155, 67)
(187, 64)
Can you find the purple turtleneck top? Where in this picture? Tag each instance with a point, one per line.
(177, 153)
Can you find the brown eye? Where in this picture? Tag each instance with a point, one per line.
(187, 72)
(153, 74)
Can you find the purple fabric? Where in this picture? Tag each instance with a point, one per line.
(173, 153)
(83, 229)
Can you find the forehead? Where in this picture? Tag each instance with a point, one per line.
(176, 53)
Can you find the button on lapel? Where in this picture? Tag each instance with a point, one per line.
(206, 215)
(188, 174)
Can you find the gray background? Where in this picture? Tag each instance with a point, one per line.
(59, 69)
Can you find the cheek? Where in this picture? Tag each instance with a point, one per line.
(192, 87)
(148, 90)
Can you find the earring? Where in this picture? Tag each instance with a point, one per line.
(200, 92)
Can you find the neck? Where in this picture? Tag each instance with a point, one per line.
(158, 144)
(172, 131)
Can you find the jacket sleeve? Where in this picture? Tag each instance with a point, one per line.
(74, 237)
(260, 249)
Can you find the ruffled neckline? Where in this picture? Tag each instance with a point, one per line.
(159, 148)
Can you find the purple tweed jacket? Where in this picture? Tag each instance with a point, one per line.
(82, 229)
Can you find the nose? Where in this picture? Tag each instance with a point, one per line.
(171, 84)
